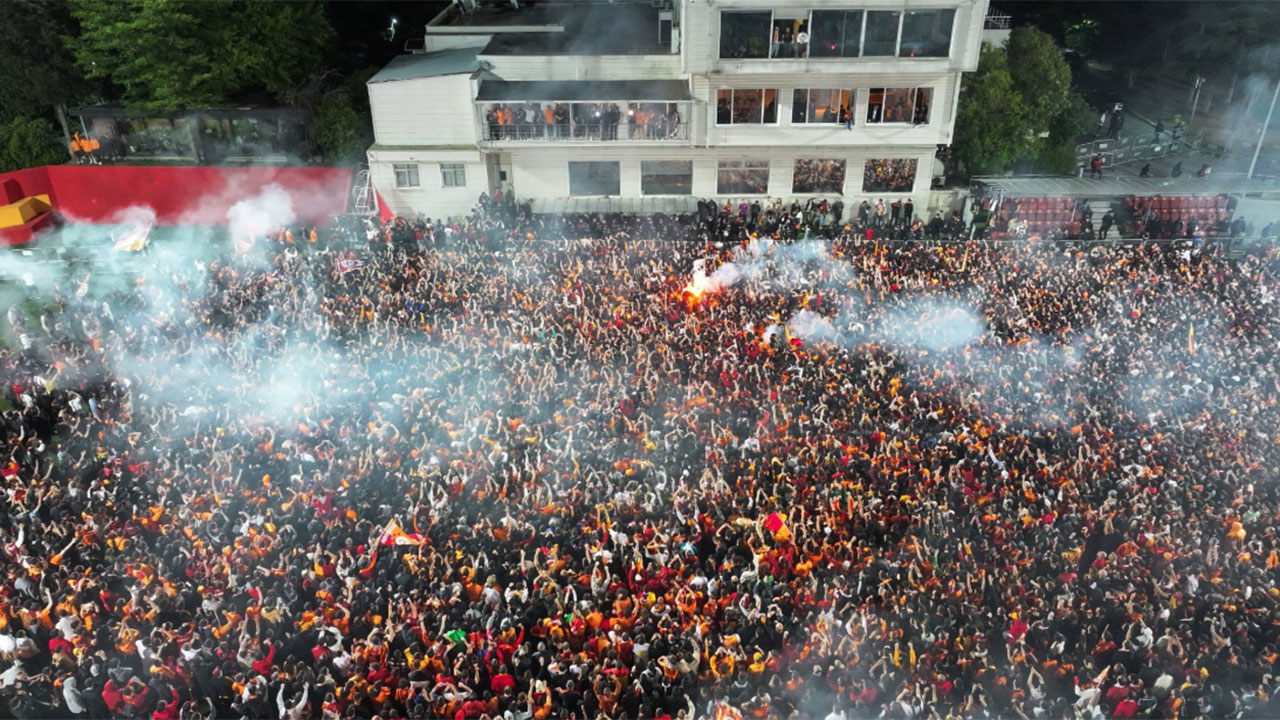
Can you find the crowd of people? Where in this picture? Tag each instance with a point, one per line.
(514, 467)
(583, 121)
(818, 176)
(889, 175)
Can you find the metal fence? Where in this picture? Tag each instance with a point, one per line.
(586, 131)
(1122, 150)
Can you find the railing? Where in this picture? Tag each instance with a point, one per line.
(1126, 149)
(997, 21)
(622, 131)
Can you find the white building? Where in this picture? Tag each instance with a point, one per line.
(651, 105)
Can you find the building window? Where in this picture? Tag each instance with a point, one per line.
(453, 175)
(666, 177)
(406, 175)
(809, 105)
(790, 38)
(746, 107)
(899, 105)
(836, 33)
(881, 39)
(889, 175)
(927, 33)
(818, 176)
(742, 177)
(744, 35)
(594, 178)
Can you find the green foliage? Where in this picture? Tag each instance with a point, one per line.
(28, 142)
(1039, 72)
(170, 55)
(1019, 104)
(1081, 34)
(338, 131)
(39, 72)
(993, 122)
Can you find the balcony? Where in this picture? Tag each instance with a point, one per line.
(585, 122)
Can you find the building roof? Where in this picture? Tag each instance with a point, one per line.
(444, 62)
(589, 28)
(584, 90)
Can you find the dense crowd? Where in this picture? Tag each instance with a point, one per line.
(610, 494)
(889, 175)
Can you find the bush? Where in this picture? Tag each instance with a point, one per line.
(338, 131)
(28, 142)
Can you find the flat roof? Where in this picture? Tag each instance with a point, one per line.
(456, 61)
(584, 90)
(590, 28)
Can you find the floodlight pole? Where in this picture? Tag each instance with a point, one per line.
(1265, 124)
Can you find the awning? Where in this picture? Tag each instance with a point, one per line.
(584, 91)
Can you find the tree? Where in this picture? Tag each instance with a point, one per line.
(993, 122)
(1039, 72)
(338, 131)
(40, 75)
(171, 55)
(28, 142)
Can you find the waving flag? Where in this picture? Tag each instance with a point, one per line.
(393, 534)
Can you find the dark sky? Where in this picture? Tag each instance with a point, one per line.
(359, 25)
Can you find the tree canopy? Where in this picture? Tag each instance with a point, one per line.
(39, 72)
(171, 55)
(1019, 105)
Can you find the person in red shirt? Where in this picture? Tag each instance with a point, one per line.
(263, 664)
(501, 681)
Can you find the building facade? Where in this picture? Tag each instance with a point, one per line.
(638, 106)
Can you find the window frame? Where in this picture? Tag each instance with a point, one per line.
(808, 113)
(913, 100)
(615, 163)
(764, 105)
(744, 164)
(411, 171)
(454, 171)
(768, 35)
(869, 166)
(844, 176)
(688, 184)
(951, 33)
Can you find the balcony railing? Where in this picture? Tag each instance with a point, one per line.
(585, 132)
(585, 122)
(997, 21)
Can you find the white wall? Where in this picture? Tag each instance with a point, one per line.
(425, 111)
(431, 198)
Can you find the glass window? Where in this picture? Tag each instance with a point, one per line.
(406, 175)
(820, 106)
(818, 176)
(889, 175)
(836, 33)
(746, 106)
(790, 38)
(666, 177)
(744, 35)
(882, 33)
(742, 177)
(899, 105)
(453, 175)
(924, 100)
(927, 33)
(594, 178)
